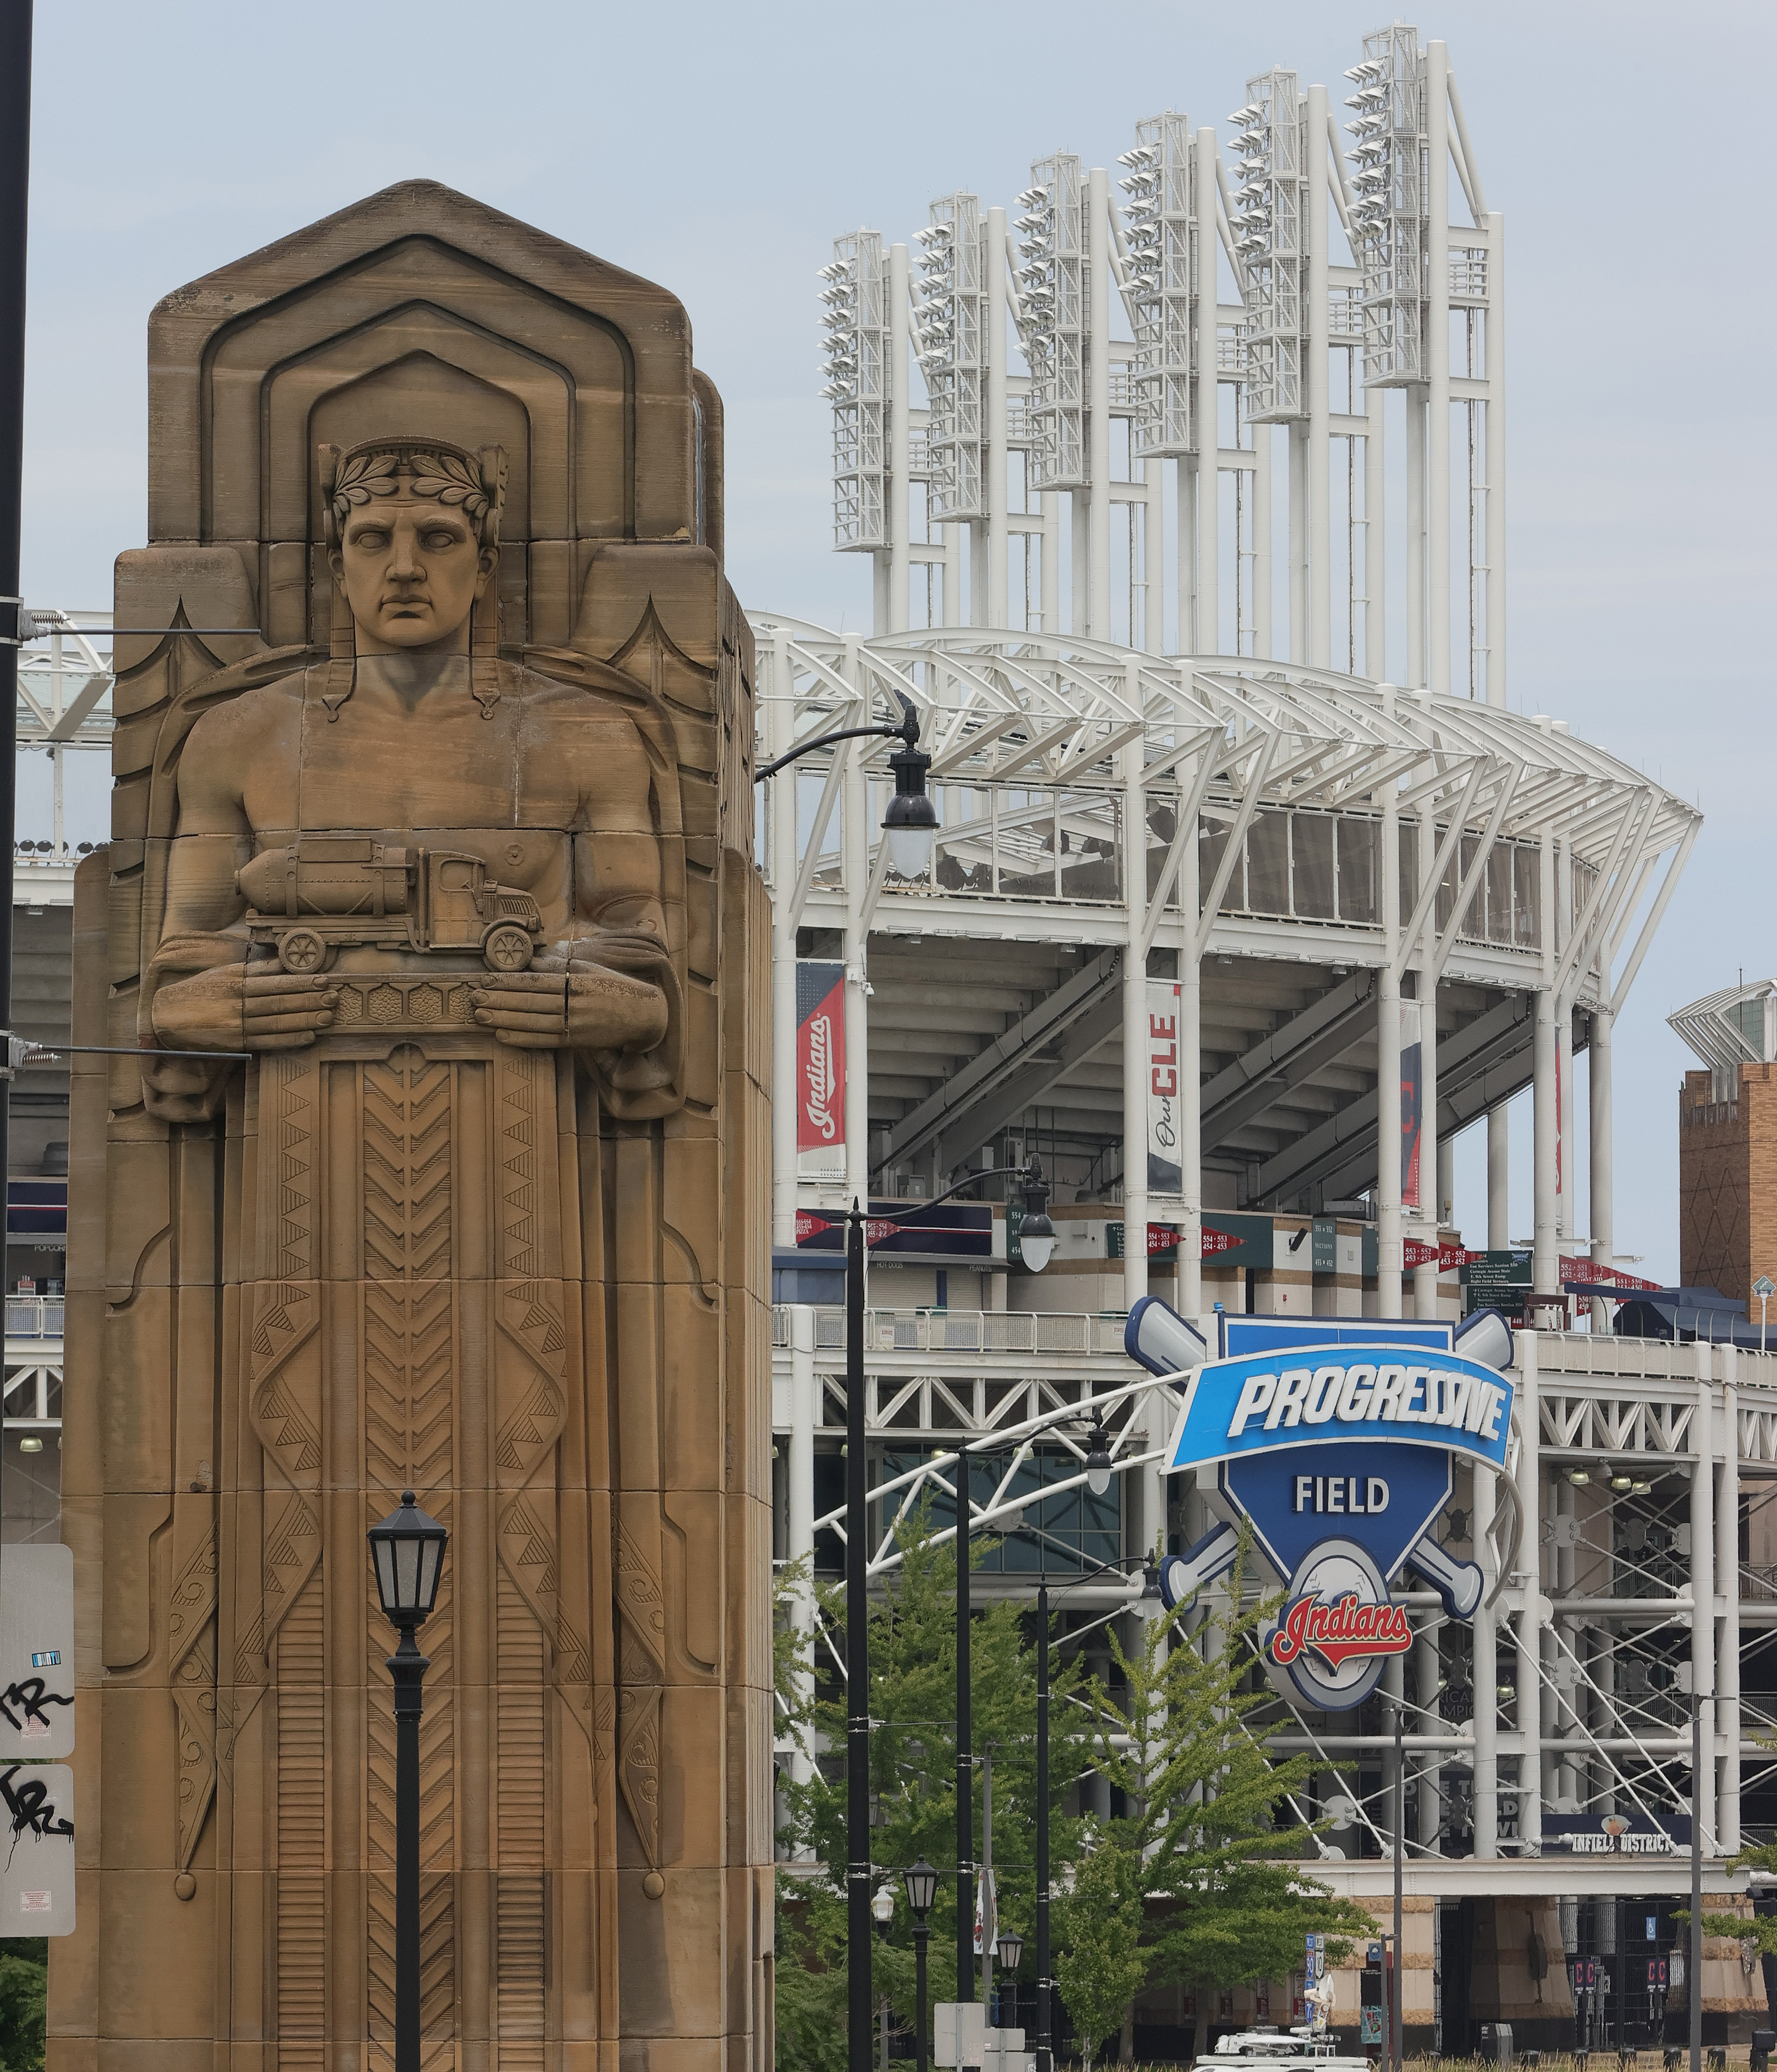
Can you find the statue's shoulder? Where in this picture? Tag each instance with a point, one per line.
(254, 708)
(561, 678)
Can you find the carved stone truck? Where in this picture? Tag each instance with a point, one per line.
(329, 891)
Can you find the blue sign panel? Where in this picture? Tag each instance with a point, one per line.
(1384, 1497)
(1281, 1398)
(1336, 1443)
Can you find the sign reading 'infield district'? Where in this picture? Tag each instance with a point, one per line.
(1299, 1395)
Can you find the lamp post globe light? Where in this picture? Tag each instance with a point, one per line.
(920, 1879)
(406, 1558)
(910, 824)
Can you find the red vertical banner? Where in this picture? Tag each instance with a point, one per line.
(820, 1070)
(1412, 1103)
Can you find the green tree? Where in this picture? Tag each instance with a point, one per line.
(24, 1980)
(913, 1710)
(1102, 1964)
(1206, 1809)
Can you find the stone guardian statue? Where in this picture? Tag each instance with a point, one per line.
(463, 868)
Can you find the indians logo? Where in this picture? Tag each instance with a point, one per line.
(820, 1078)
(1337, 1627)
(1340, 1631)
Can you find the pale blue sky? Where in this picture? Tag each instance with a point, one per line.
(718, 149)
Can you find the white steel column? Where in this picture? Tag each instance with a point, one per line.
(1185, 494)
(801, 1505)
(1528, 1677)
(1544, 1262)
(1134, 1006)
(1388, 1052)
(1098, 405)
(1499, 1168)
(780, 723)
(1603, 1211)
(1264, 632)
(993, 445)
(1437, 359)
(1375, 642)
(1050, 573)
(1494, 336)
(1727, 1586)
(1153, 638)
(1566, 1177)
(1190, 1070)
(1207, 411)
(900, 443)
(1703, 1591)
(1425, 1276)
(1314, 371)
(856, 836)
(1485, 1677)
(1425, 1669)
(1414, 674)
(1296, 530)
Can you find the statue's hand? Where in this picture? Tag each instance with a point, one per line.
(584, 1007)
(226, 1009)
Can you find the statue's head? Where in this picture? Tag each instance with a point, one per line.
(413, 532)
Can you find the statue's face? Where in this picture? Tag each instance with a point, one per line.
(411, 568)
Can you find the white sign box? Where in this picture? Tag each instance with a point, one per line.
(36, 1847)
(958, 2033)
(36, 1656)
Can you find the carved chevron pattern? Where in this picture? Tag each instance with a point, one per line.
(294, 1208)
(437, 1972)
(301, 1945)
(406, 1169)
(408, 1392)
(407, 1369)
(519, 1077)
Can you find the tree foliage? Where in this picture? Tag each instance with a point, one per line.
(1207, 1810)
(1194, 1878)
(24, 1980)
(913, 1748)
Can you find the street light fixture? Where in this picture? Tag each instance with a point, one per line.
(910, 824)
(921, 1881)
(407, 1557)
(1009, 1949)
(1097, 1459)
(883, 1908)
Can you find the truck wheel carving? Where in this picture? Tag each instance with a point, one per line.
(302, 950)
(507, 948)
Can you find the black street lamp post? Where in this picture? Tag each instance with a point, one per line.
(407, 1554)
(921, 1883)
(1097, 1452)
(1038, 1244)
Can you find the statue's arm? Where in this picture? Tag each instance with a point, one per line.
(196, 992)
(622, 1009)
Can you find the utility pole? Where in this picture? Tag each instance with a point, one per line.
(15, 36)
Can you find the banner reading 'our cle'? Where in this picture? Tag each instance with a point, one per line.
(1165, 1172)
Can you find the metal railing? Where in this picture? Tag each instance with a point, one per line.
(1607, 1358)
(34, 1316)
(965, 1331)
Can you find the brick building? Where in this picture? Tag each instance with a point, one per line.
(1727, 1141)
